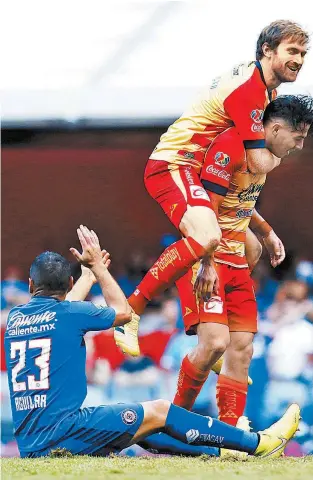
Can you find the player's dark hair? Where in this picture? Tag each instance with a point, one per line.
(278, 31)
(50, 272)
(297, 110)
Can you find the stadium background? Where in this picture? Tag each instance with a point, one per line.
(83, 105)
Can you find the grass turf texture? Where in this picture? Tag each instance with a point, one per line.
(156, 468)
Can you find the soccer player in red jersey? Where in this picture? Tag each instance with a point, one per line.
(171, 177)
(226, 324)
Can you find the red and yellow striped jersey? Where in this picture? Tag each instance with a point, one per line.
(237, 98)
(225, 173)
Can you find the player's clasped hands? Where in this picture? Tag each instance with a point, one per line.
(206, 283)
(92, 254)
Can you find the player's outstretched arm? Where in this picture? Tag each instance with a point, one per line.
(272, 242)
(92, 258)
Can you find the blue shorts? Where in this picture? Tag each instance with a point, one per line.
(98, 431)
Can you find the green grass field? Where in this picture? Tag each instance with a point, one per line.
(201, 468)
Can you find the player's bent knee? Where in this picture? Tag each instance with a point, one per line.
(201, 224)
(161, 407)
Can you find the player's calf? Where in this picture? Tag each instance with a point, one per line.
(155, 415)
(232, 385)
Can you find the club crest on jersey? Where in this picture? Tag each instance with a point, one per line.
(257, 115)
(129, 417)
(221, 159)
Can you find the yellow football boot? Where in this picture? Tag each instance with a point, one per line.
(126, 336)
(274, 439)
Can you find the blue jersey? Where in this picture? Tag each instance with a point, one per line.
(46, 356)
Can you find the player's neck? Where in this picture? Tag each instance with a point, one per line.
(270, 78)
(53, 295)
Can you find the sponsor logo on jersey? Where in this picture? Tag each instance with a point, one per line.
(218, 173)
(222, 159)
(244, 212)
(20, 324)
(257, 115)
(129, 417)
(257, 128)
(189, 155)
(198, 192)
(251, 193)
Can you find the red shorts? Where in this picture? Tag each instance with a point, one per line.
(235, 306)
(174, 188)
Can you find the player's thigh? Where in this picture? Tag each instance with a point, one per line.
(241, 303)
(99, 431)
(253, 249)
(178, 190)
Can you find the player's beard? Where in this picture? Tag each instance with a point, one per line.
(284, 74)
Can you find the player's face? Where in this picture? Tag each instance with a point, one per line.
(281, 139)
(287, 60)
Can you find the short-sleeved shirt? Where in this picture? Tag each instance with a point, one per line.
(225, 173)
(237, 98)
(46, 356)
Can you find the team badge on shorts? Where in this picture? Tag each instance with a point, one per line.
(222, 159)
(129, 417)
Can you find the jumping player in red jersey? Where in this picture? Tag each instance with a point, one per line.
(237, 98)
(226, 324)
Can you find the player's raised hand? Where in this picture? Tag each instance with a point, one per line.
(92, 254)
(275, 248)
(206, 282)
(86, 272)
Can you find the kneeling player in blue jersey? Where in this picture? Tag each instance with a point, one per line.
(45, 352)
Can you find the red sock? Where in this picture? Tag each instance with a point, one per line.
(137, 301)
(172, 264)
(231, 398)
(189, 384)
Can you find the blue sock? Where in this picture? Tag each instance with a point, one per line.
(198, 430)
(162, 443)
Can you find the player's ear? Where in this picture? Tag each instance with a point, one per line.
(267, 51)
(71, 283)
(30, 286)
(275, 129)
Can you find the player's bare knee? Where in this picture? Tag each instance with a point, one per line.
(216, 345)
(201, 224)
(161, 408)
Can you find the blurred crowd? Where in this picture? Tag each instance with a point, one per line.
(282, 365)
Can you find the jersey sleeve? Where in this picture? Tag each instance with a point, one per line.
(245, 107)
(225, 155)
(91, 317)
